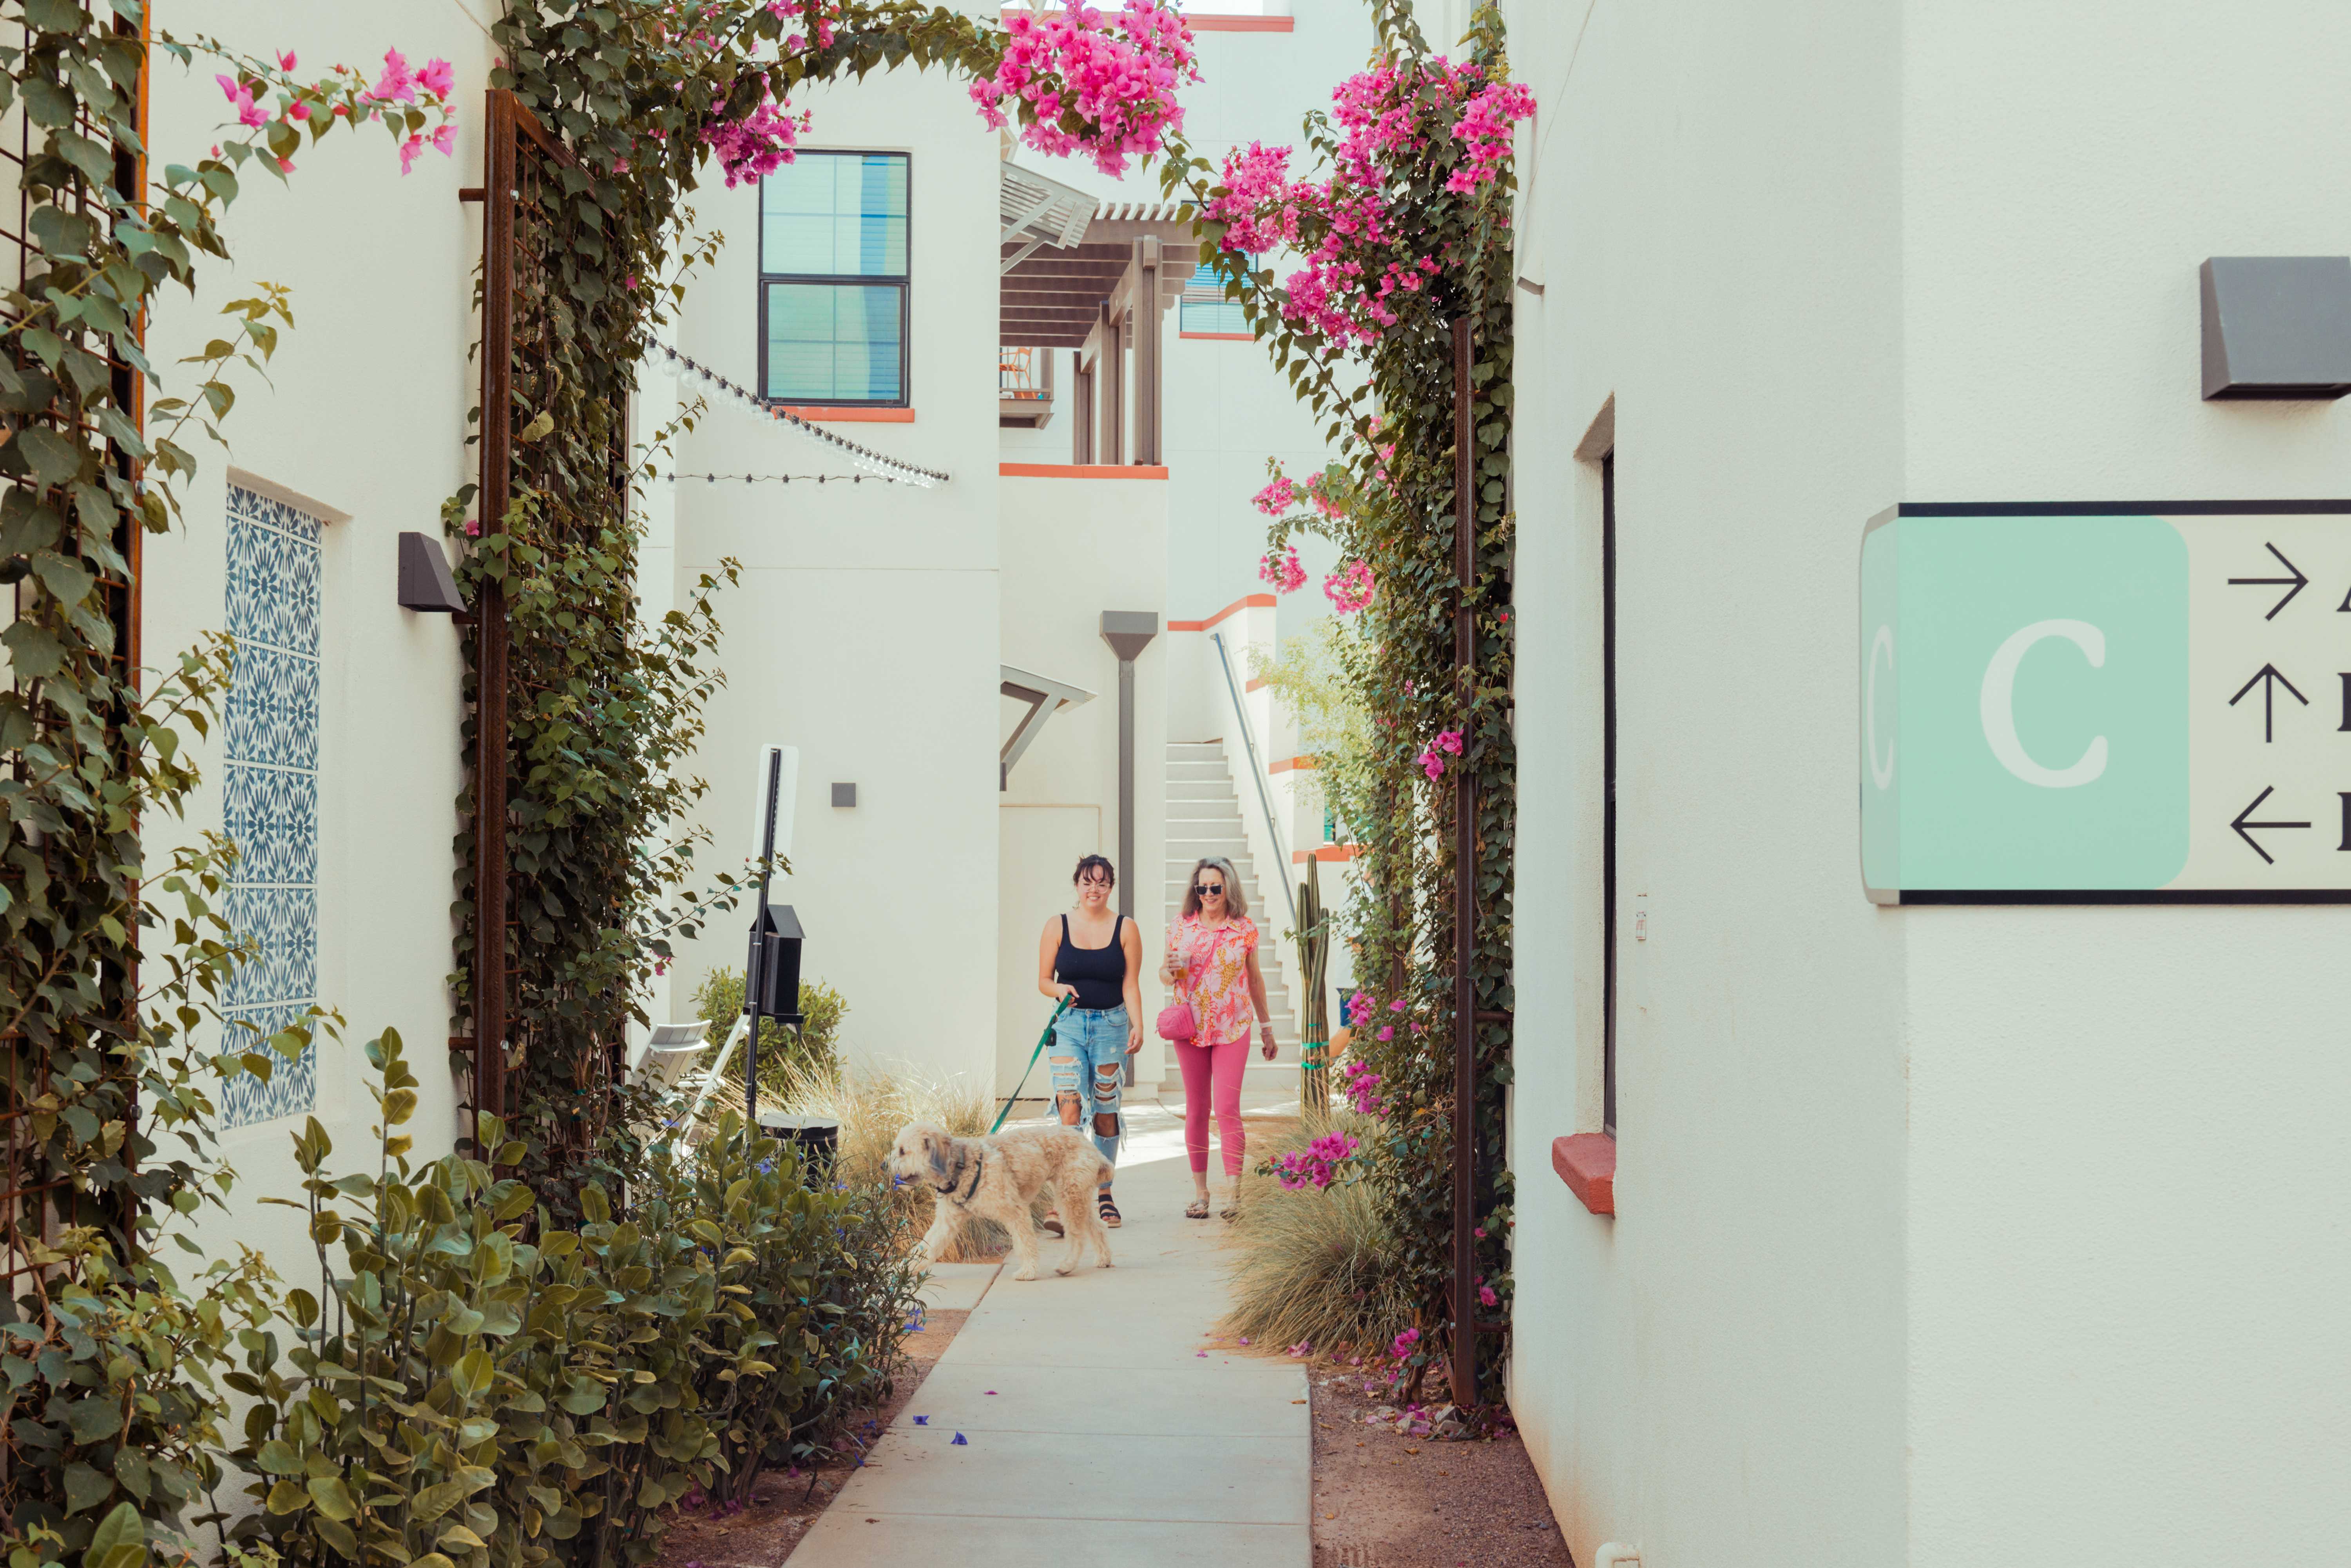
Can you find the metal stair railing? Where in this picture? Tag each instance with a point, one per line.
(1257, 776)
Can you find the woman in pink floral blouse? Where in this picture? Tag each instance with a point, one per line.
(1212, 963)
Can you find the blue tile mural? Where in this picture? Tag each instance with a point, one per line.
(272, 808)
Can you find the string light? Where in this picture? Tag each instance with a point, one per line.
(783, 479)
(880, 465)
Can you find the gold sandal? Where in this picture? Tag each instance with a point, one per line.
(1197, 1210)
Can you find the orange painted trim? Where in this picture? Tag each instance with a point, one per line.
(1284, 763)
(1327, 853)
(1082, 470)
(1221, 337)
(1254, 684)
(1587, 1164)
(851, 415)
(1248, 601)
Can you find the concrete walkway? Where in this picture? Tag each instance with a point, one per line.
(1093, 1428)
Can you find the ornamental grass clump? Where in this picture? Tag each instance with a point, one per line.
(1316, 1264)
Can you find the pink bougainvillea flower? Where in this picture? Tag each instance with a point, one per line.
(438, 77)
(397, 83)
(1485, 1297)
(1387, 1031)
(1303, 1347)
(1117, 79)
(1283, 570)
(1479, 1233)
(1449, 740)
(240, 98)
(1350, 588)
(759, 144)
(1403, 1344)
(1432, 763)
(445, 141)
(286, 165)
(410, 151)
(1276, 498)
(286, 60)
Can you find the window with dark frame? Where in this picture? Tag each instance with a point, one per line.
(833, 305)
(1608, 797)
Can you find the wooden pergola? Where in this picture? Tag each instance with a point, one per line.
(1096, 279)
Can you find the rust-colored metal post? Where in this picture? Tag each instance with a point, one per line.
(1464, 1374)
(490, 616)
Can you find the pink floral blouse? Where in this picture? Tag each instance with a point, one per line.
(1216, 976)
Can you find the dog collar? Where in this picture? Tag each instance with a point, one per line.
(948, 1191)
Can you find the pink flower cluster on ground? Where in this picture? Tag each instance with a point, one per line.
(1350, 588)
(1314, 1166)
(1282, 572)
(1106, 91)
(1361, 1085)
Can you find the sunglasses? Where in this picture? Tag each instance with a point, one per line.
(1209, 890)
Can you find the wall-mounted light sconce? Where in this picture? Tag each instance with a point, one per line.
(426, 581)
(2277, 326)
(844, 794)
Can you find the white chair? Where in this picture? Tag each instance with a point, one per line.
(667, 1055)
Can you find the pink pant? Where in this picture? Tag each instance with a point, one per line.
(1213, 1073)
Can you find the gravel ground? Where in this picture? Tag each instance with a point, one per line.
(783, 1506)
(1384, 1501)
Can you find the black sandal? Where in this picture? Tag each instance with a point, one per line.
(1108, 1210)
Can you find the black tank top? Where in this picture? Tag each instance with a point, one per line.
(1099, 973)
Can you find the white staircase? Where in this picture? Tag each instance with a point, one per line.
(1204, 817)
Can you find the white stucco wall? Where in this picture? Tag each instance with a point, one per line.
(866, 628)
(2127, 1253)
(1072, 548)
(1718, 1373)
(362, 420)
(1944, 1236)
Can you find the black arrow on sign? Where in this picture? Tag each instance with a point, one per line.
(2245, 819)
(2297, 580)
(2269, 680)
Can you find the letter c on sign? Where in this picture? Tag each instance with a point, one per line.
(1881, 643)
(1998, 704)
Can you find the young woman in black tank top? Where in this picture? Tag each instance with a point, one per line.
(1095, 958)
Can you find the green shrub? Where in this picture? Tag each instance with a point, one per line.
(473, 1386)
(815, 1046)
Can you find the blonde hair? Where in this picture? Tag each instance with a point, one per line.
(1236, 900)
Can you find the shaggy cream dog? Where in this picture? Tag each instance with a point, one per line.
(994, 1178)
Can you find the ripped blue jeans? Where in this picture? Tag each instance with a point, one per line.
(1089, 1059)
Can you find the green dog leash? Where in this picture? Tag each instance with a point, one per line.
(1058, 1011)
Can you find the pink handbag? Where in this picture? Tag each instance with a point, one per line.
(1176, 1024)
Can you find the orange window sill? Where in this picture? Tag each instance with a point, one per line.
(850, 415)
(1587, 1164)
(1327, 853)
(1284, 763)
(1082, 470)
